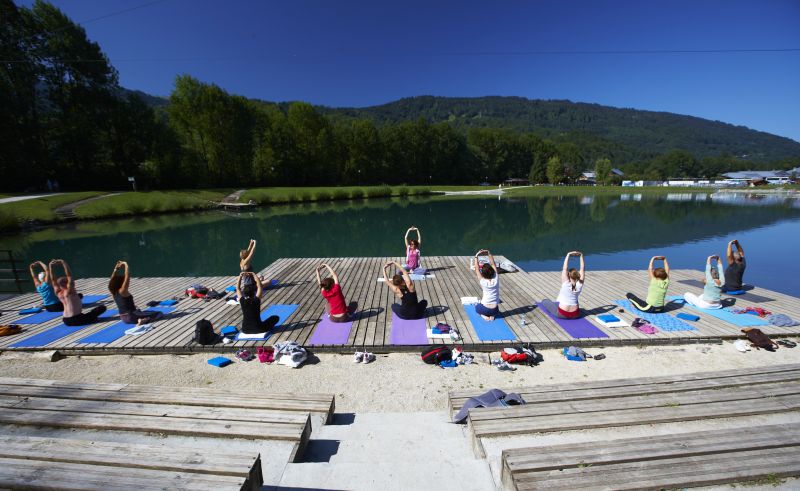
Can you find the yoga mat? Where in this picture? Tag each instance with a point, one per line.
(663, 321)
(117, 330)
(167, 303)
(414, 277)
(282, 311)
(408, 331)
(743, 320)
(47, 337)
(90, 299)
(269, 284)
(32, 310)
(577, 328)
(497, 330)
(39, 318)
(328, 332)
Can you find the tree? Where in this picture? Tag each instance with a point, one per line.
(555, 170)
(602, 171)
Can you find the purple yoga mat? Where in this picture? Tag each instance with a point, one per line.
(328, 332)
(406, 331)
(577, 328)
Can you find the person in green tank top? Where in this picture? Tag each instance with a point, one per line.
(657, 291)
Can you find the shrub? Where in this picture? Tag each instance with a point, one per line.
(135, 208)
(8, 221)
(385, 190)
(357, 193)
(379, 192)
(422, 191)
(305, 196)
(403, 191)
(341, 194)
(289, 198)
(156, 206)
(323, 196)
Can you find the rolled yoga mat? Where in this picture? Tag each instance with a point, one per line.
(117, 330)
(577, 328)
(743, 320)
(282, 311)
(497, 330)
(663, 321)
(329, 332)
(408, 331)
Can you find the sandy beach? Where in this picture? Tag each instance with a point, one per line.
(394, 382)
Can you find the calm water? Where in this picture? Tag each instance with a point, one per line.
(614, 233)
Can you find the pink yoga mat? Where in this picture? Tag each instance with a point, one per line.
(328, 332)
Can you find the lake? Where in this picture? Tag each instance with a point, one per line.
(614, 232)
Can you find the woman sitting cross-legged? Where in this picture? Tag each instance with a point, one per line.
(118, 286)
(43, 282)
(338, 310)
(249, 294)
(403, 288)
(73, 304)
(657, 291)
(489, 280)
(710, 299)
(571, 287)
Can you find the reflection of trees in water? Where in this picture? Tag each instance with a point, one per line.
(531, 229)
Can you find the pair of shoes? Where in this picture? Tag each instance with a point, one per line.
(368, 358)
(358, 357)
(787, 343)
(505, 367)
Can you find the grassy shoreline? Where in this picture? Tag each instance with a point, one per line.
(41, 211)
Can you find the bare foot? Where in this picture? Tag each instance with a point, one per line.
(487, 318)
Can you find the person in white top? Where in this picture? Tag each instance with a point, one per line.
(571, 287)
(489, 279)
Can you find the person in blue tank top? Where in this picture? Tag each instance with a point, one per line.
(43, 282)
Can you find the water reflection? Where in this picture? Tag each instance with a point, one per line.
(616, 230)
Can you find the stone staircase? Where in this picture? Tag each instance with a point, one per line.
(387, 451)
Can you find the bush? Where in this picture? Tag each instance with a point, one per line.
(324, 196)
(357, 194)
(305, 196)
(135, 208)
(156, 206)
(8, 221)
(341, 194)
(385, 190)
(422, 191)
(403, 191)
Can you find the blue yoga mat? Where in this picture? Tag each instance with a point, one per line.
(743, 320)
(90, 299)
(39, 318)
(117, 330)
(663, 321)
(167, 303)
(497, 330)
(282, 311)
(47, 337)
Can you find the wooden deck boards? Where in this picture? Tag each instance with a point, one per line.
(373, 323)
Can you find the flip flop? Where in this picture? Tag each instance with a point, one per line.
(787, 343)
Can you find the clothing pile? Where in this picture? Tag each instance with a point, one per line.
(492, 398)
(290, 353)
(643, 326)
(442, 328)
(752, 311)
(573, 353)
(782, 320)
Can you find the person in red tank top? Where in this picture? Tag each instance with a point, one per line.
(338, 310)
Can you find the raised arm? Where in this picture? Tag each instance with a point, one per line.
(419, 235)
(583, 267)
(259, 285)
(239, 285)
(126, 282)
(650, 267)
(251, 250)
(406, 277)
(50, 272)
(739, 247)
(564, 276)
(33, 274)
(332, 272)
(666, 265)
(478, 265)
(405, 239)
(491, 261)
(729, 252)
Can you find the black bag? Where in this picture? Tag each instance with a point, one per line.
(436, 353)
(204, 332)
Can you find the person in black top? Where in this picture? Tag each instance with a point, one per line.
(403, 287)
(249, 294)
(118, 286)
(735, 269)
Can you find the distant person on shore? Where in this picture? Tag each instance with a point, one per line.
(489, 280)
(43, 282)
(403, 288)
(710, 299)
(412, 249)
(118, 286)
(73, 304)
(338, 310)
(735, 270)
(571, 287)
(657, 291)
(249, 294)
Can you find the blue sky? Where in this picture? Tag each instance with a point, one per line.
(362, 53)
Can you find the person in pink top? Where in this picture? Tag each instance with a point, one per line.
(338, 310)
(412, 249)
(73, 303)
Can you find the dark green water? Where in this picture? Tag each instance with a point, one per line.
(614, 232)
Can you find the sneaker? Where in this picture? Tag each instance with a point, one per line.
(368, 357)
(505, 367)
(358, 357)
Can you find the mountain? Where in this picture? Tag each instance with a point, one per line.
(647, 133)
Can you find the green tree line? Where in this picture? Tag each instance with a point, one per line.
(64, 117)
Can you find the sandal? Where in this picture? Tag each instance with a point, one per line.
(787, 343)
(599, 356)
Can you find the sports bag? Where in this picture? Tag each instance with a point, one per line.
(759, 339)
(204, 332)
(436, 353)
(10, 329)
(520, 355)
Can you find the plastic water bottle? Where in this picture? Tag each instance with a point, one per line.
(522, 320)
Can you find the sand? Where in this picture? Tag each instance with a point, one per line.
(394, 382)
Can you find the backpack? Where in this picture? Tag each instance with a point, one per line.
(10, 329)
(204, 333)
(196, 291)
(519, 355)
(759, 339)
(436, 353)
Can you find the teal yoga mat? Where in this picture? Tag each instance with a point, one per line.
(743, 320)
(497, 330)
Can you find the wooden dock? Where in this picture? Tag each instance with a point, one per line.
(372, 327)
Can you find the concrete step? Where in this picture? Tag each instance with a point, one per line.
(364, 450)
(464, 475)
